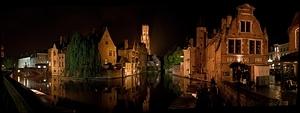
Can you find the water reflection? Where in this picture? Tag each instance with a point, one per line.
(131, 93)
(232, 96)
(182, 83)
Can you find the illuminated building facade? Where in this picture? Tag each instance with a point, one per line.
(56, 68)
(293, 32)
(107, 49)
(133, 57)
(240, 39)
(145, 38)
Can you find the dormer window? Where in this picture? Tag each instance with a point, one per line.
(245, 26)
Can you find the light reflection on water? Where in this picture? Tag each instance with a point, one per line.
(131, 93)
(271, 96)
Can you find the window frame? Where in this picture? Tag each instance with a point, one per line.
(234, 45)
(255, 45)
(245, 26)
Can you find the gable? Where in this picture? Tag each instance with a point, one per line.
(106, 39)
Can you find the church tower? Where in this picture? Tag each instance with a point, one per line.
(145, 37)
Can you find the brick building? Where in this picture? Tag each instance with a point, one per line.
(239, 39)
(107, 49)
(293, 32)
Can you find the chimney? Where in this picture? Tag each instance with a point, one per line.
(191, 42)
(125, 44)
(201, 33)
(229, 19)
(214, 31)
(60, 40)
(223, 23)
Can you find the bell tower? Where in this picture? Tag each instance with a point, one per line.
(145, 38)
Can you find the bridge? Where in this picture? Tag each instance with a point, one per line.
(34, 78)
(16, 98)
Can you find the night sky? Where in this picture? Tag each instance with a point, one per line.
(31, 27)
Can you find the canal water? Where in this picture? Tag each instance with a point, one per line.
(149, 92)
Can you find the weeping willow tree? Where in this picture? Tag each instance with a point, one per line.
(82, 56)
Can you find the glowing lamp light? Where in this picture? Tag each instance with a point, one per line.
(239, 58)
(270, 60)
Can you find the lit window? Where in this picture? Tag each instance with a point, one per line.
(44, 66)
(110, 52)
(39, 66)
(105, 61)
(245, 26)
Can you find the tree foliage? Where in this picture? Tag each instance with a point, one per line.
(82, 56)
(8, 63)
(173, 58)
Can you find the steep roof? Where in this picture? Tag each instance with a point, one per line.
(106, 35)
(245, 6)
(296, 19)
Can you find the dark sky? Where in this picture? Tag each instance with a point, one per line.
(30, 27)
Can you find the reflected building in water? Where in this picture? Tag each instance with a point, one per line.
(108, 95)
(56, 56)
